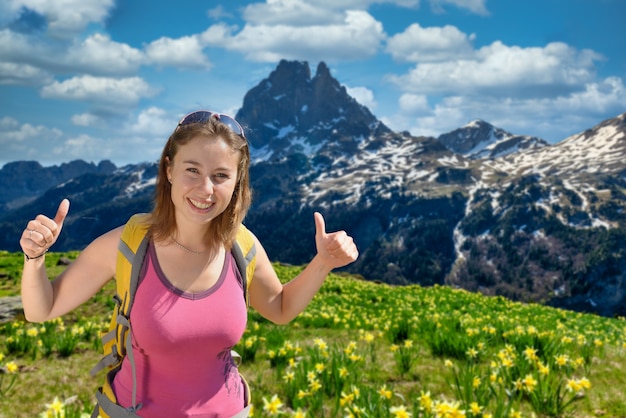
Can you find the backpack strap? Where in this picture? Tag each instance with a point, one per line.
(244, 253)
(132, 249)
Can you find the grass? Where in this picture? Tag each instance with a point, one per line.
(365, 349)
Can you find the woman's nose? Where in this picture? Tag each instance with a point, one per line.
(207, 185)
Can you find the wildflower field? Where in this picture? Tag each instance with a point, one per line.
(360, 349)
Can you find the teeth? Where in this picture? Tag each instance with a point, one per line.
(200, 205)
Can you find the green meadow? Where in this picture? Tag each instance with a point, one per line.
(361, 349)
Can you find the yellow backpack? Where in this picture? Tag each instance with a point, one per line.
(117, 340)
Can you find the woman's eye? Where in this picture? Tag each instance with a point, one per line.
(192, 170)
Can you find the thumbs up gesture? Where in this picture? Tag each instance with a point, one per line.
(337, 249)
(42, 232)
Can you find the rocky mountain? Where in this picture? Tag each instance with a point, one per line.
(479, 139)
(478, 208)
(22, 181)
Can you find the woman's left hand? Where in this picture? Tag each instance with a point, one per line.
(337, 249)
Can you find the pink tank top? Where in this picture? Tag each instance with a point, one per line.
(181, 344)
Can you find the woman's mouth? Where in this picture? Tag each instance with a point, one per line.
(200, 205)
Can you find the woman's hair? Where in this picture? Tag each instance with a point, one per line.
(223, 229)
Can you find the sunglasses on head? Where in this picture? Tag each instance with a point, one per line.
(201, 116)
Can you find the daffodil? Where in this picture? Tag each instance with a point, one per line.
(272, 406)
(400, 412)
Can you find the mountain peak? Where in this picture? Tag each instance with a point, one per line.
(480, 139)
(290, 112)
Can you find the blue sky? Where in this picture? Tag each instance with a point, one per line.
(108, 79)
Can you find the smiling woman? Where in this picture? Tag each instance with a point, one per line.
(176, 264)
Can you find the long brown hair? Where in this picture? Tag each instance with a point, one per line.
(222, 229)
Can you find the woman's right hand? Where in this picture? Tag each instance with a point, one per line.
(42, 232)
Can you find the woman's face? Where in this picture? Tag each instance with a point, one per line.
(203, 175)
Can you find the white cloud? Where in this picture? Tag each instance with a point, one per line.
(154, 121)
(185, 52)
(358, 36)
(502, 70)
(413, 103)
(28, 131)
(84, 147)
(25, 141)
(23, 74)
(475, 6)
(549, 118)
(98, 54)
(219, 12)
(86, 119)
(66, 18)
(290, 12)
(124, 92)
(364, 96)
(418, 44)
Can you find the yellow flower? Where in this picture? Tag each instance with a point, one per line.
(426, 402)
(472, 353)
(384, 392)
(303, 394)
(299, 414)
(343, 372)
(32, 332)
(272, 406)
(530, 354)
(529, 383)
(476, 382)
(408, 344)
(475, 408)
(319, 368)
(315, 385)
(350, 348)
(289, 376)
(573, 386)
(543, 368)
(354, 357)
(585, 383)
(321, 344)
(56, 408)
(447, 363)
(11, 367)
(562, 360)
(507, 362)
(394, 348)
(400, 412)
(346, 399)
(447, 410)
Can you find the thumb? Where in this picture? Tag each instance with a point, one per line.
(320, 225)
(62, 211)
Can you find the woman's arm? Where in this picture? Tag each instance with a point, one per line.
(282, 303)
(44, 299)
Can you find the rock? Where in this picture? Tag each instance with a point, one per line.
(10, 308)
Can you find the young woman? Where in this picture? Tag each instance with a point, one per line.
(188, 310)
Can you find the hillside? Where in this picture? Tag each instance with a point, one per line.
(366, 346)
